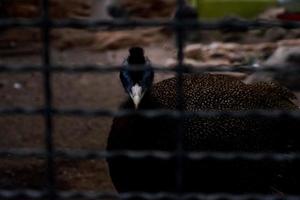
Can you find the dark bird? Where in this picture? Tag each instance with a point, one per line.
(115, 10)
(201, 92)
(185, 12)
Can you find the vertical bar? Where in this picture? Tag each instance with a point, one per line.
(48, 99)
(179, 31)
(198, 5)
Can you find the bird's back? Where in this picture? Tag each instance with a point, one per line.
(212, 93)
(203, 92)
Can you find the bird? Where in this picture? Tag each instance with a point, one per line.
(203, 92)
(185, 12)
(115, 10)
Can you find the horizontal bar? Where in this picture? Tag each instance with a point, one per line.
(226, 23)
(161, 155)
(83, 154)
(75, 69)
(38, 194)
(20, 23)
(295, 114)
(21, 111)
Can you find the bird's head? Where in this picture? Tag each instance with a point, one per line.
(136, 75)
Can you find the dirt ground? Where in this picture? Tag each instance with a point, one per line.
(85, 90)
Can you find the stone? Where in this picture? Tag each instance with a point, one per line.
(284, 58)
(58, 9)
(120, 39)
(149, 9)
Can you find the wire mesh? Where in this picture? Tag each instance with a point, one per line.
(48, 111)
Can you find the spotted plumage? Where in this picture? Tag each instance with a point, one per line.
(204, 92)
(209, 92)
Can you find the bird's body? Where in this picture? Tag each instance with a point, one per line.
(204, 93)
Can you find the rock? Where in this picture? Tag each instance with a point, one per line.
(227, 53)
(171, 62)
(70, 38)
(58, 9)
(271, 14)
(295, 33)
(289, 42)
(149, 9)
(120, 39)
(284, 54)
(285, 57)
(194, 51)
(274, 34)
(235, 53)
(194, 63)
(70, 9)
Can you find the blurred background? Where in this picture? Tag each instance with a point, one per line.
(107, 46)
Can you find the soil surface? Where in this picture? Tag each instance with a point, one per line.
(85, 91)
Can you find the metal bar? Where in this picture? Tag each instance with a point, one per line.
(176, 114)
(46, 56)
(160, 155)
(36, 194)
(76, 69)
(180, 40)
(21, 111)
(20, 23)
(149, 113)
(228, 24)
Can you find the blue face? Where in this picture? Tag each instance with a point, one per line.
(136, 75)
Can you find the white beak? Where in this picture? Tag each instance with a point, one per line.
(136, 95)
